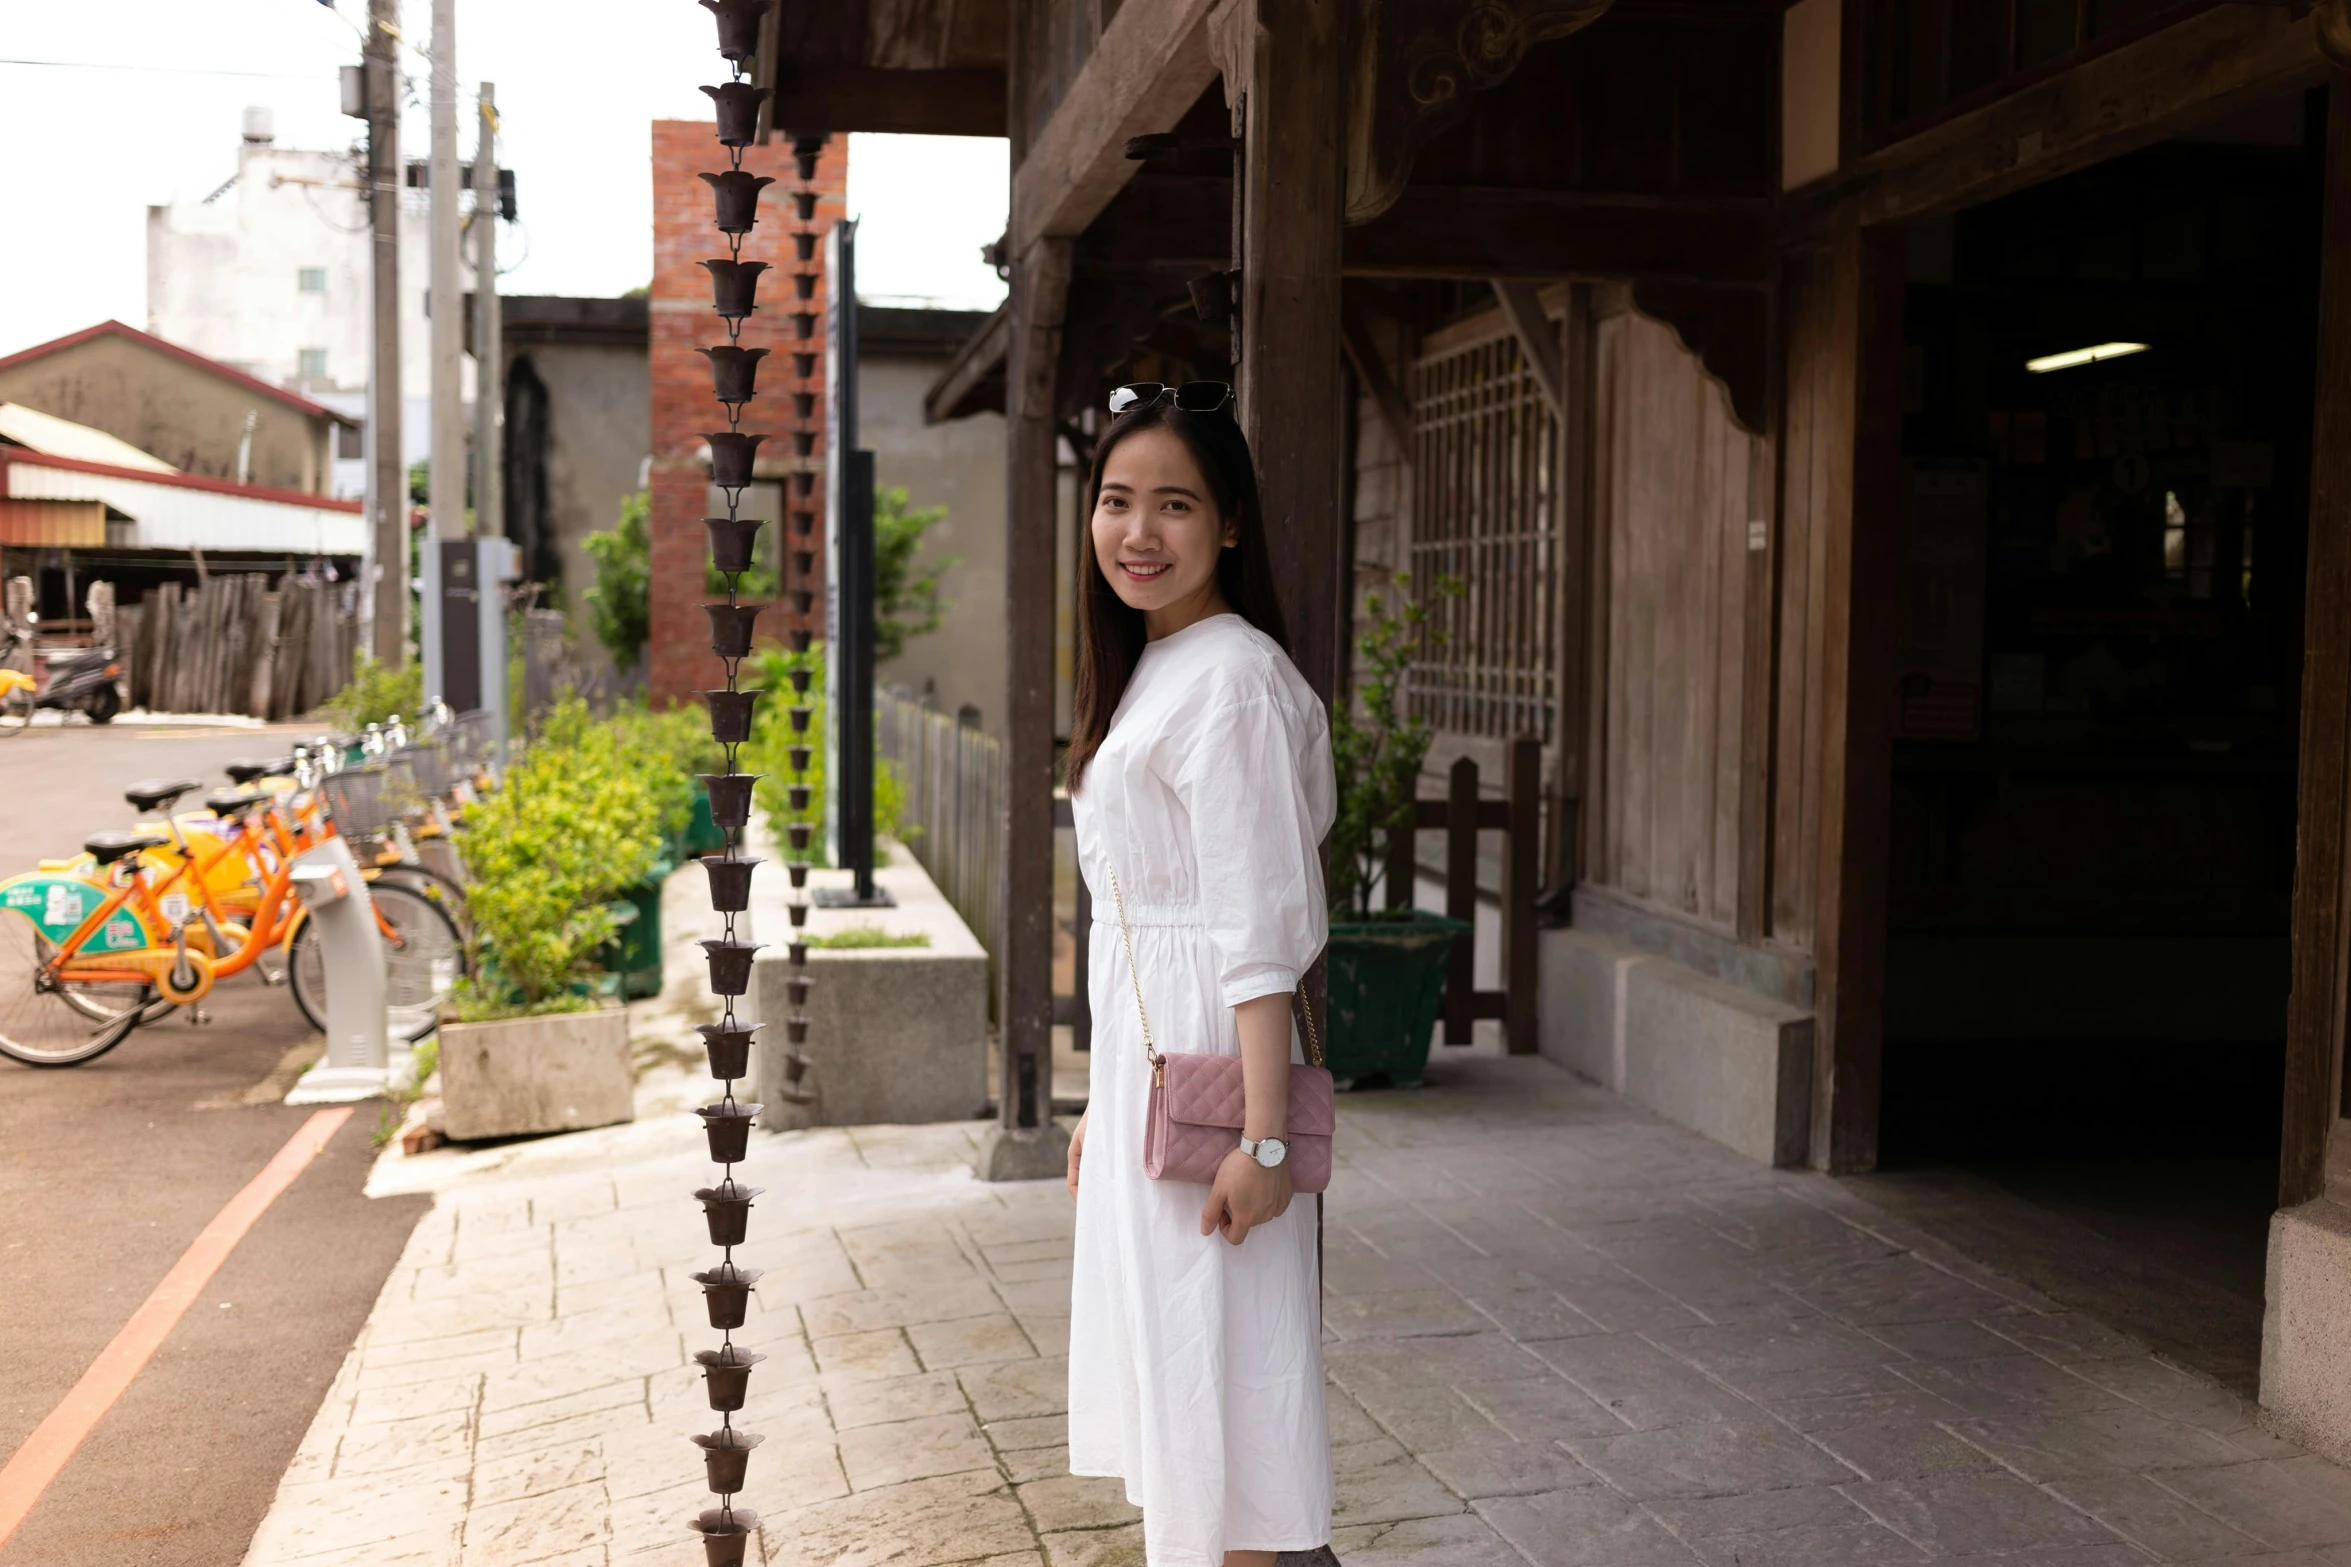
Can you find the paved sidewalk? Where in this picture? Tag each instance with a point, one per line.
(1560, 1332)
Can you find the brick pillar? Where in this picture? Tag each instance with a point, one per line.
(678, 641)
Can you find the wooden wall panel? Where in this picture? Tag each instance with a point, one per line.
(1816, 474)
(1670, 503)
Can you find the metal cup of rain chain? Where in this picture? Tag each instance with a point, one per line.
(729, 1048)
(804, 365)
(803, 405)
(798, 795)
(805, 282)
(732, 541)
(800, 755)
(800, 679)
(799, 639)
(730, 714)
(730, 965)
(727, 1372)
(804, 443)
(726, 1293)
(731, 455)
(803, 204)
(728, 1453)
(730, 882)
(800, 833)
(734, 287)
(728, 1208)
(806, 149)
(728, 1125)
(725, 1532)
(795, 1068)
(804, 323)
(802, 601)
(798, 871)
(805, 245)
(738, 112)
(796, 1030)
(796, 990)
(736, 194)
(734, 374)
(730, 797)
(730, 628)
(800, 717)
(738, 25)
(799, 913)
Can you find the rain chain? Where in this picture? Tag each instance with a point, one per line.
(726, 1529)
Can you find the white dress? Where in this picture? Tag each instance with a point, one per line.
(1195, 1366)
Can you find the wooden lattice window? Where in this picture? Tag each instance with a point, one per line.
(1485, 464)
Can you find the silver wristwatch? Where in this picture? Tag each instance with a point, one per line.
(1267, 1151)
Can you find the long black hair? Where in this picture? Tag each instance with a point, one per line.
(1110, 631)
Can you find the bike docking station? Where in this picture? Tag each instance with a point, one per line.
(359, 1062)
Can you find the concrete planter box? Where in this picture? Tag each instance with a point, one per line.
(896, 1034)
(536, 1074)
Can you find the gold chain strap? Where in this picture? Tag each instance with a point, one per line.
(1135, 977)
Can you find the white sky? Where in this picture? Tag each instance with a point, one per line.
(157, 119)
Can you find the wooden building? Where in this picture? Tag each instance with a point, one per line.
(1899, 456)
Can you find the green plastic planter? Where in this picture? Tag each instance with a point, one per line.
(634, 952)
(1387, 979)
(702, 834)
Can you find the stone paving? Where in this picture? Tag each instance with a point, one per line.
(1558, 1332)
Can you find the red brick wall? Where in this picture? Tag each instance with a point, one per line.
(679, 658)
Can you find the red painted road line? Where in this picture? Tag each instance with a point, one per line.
(54, 1441)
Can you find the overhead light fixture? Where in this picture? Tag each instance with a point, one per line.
(2082, 356)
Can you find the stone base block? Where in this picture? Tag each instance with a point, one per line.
(1718, 1059)
(2305, 1375)
(1038, 1155)
(537, 1074)
(895, 1036)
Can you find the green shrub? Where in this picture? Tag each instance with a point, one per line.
(772, 737)
(620, 600)
(1377, 753)
(376, 692)
(854, 937)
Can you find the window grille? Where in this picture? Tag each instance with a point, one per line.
(1485, 512)
(313, 280)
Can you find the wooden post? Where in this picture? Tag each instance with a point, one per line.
(1039, 295)
(1461, 898)
(2322, 862)
(1562, 864)
(1759, 710)
(1290, 109)
(1857, 635)
(1521, 867)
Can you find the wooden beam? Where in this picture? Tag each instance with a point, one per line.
(1478, 232)
(840, 98)
(2322, 861)
(1291, 383)
(1537, 339)
(1035, 308)
(1861, 583)
(1363, 352)
(978, 362)
(1149, 66)
(2199, 69)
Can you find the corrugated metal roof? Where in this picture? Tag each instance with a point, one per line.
(63, 438)
(177, 511)
(73, 525)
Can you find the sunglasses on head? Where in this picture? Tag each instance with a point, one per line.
(1193, 397)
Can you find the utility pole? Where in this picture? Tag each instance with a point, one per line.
(387, 475)
(489, 354)
(446, 305)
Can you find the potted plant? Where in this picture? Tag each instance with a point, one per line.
(1386, 966)
(536, 1040)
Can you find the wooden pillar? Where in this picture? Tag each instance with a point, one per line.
(1563, 866)
(1861, 528)
(1285, 58)
(2322, 864)
(1024, 1010)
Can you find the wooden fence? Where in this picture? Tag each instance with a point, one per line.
(953, 775)
(236, 644)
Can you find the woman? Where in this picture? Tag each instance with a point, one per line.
(1200, 781)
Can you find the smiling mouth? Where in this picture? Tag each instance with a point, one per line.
(1143, 571)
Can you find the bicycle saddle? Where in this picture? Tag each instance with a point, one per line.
(230, 802)
(246, 768)
(156, 793)
(107, 847)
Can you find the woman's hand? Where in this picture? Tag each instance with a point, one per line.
(1077, 1146)
(1246, 1194)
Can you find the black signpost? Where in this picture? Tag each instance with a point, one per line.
(849, 590)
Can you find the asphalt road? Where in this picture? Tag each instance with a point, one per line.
(109, 1170)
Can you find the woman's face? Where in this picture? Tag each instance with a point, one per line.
(1157, 534)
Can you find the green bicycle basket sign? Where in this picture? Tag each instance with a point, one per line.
(59, 904)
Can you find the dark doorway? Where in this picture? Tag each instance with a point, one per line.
(2094, 766)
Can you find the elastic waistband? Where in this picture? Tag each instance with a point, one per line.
(1148, 914)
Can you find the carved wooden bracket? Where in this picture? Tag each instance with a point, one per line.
(1416, 64)
(2333, 20)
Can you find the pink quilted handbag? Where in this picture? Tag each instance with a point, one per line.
(1194, 1118)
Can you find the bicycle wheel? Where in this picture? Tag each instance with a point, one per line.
(46, 1024)
(16, 712)
(423, 960)
(423, 879)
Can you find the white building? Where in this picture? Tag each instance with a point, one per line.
(271, 274)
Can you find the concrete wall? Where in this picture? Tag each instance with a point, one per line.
(958, 465)
(598, 433)
(1716, 1058)
(175, 410)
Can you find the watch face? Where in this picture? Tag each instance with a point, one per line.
(1271, 1151)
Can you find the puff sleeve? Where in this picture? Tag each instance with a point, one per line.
(1257, 784)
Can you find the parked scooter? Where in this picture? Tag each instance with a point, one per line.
(82, 682)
